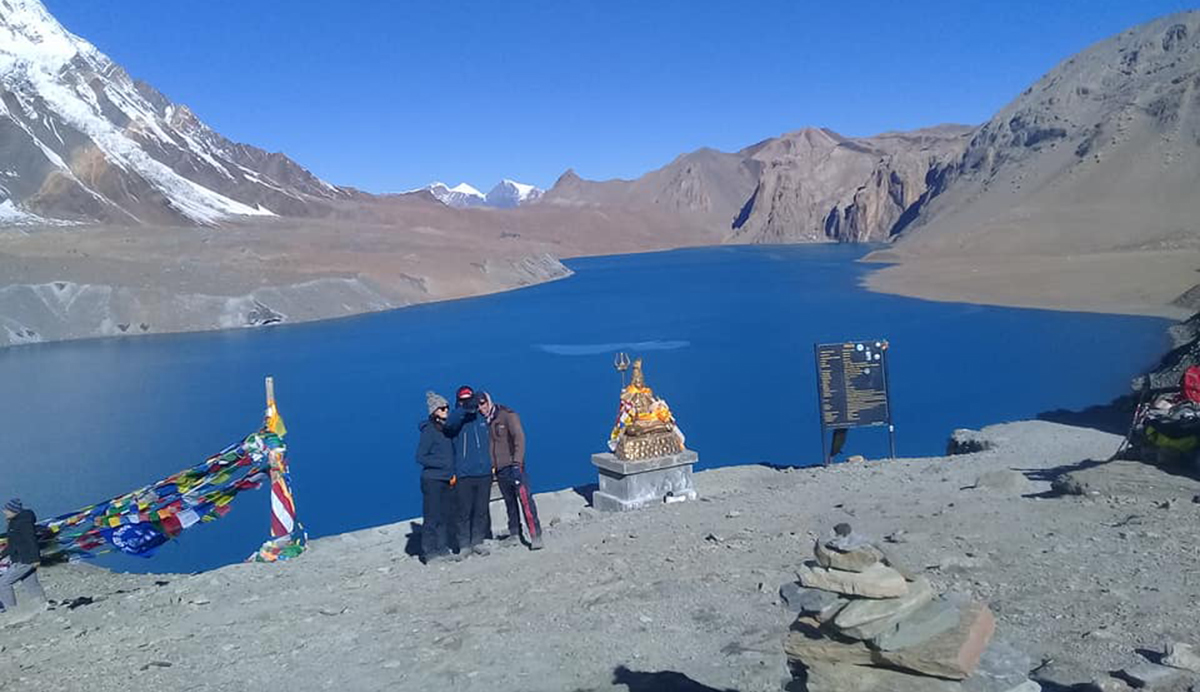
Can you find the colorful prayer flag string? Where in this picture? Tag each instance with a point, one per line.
(137, 523)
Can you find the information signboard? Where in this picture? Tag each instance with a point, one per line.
(852, 387)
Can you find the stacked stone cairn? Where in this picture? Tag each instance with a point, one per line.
(865, 626)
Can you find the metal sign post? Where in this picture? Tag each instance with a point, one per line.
(820, 404)
(852, 389)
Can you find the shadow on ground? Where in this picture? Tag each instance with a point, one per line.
(1053, 473)
(412, 541)
(1121, 477)
(662, 681)
(1048, 686)
(1113, 417)
(587, 491)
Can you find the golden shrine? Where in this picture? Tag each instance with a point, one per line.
(645, 428)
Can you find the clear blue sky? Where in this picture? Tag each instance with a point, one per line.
(387, 95)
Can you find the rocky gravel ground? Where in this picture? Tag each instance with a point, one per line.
(676, 597)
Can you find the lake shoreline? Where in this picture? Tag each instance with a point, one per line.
(1137, 283)
(974, 281)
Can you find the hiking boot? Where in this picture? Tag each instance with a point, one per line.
(536, 542)
(480, 550)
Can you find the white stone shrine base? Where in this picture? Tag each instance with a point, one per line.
(628, 485)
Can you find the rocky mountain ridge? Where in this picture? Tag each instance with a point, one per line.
(1101, 154)
(84, 142)
(817, 185)
(811, 185)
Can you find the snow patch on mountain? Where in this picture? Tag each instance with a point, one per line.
(10, 215)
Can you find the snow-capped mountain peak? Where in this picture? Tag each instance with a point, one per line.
(506, 194)
(465, 189)
(459, 196)
(510, 193)
(95, 145)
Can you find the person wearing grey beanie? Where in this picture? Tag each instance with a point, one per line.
(435, 455)
(435, 401)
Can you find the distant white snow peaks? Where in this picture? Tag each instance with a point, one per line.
(505, 195)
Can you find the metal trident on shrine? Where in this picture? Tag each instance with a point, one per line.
(621, 364)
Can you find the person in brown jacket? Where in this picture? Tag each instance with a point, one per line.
(507, 441)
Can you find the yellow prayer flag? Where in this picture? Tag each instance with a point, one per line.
(275, 421)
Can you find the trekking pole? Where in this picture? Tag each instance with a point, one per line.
(1137, 413)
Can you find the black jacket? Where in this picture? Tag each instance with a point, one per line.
(22, 539)
(435, 452)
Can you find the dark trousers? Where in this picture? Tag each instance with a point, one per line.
(518, 501)
(437, 503)
(474, 519)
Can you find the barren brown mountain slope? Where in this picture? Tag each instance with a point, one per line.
(812, 185)
(817, 185)
(706, 186)
(1101, 157)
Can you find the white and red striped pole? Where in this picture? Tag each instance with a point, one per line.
(283, 507)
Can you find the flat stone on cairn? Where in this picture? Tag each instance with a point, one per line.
(818, 604)
(877, 581)
(864, 626)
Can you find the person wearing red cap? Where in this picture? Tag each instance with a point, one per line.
(468, 431)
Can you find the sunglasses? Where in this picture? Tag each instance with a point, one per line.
(442, 408)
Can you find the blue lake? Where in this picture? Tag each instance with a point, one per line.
(727, 336)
